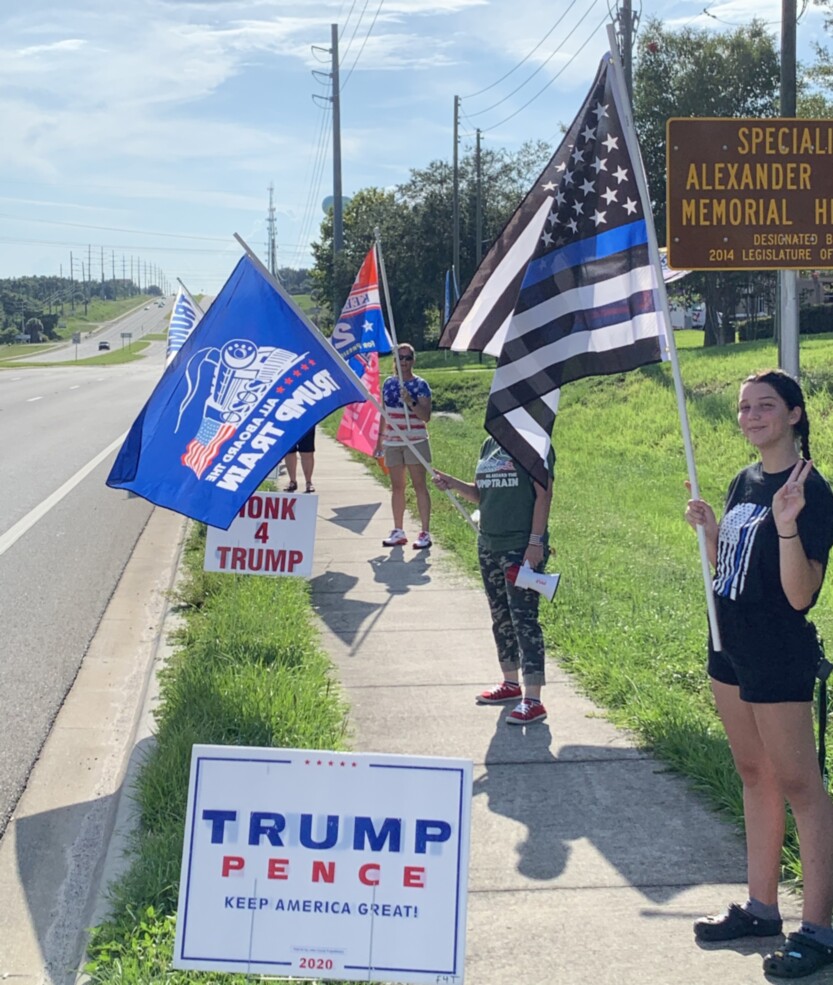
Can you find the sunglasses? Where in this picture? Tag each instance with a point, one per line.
(406, 359)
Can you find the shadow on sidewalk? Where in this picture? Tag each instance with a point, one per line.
(355, 518)
(352, 619)
(644, 826)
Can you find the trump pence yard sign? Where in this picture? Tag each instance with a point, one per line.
(325, 865)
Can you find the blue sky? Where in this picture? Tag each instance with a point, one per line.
(152, 129)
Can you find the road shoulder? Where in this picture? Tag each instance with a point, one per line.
(51, 856)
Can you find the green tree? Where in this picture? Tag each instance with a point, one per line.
(693, 72)
(34, 329)
(415, 222)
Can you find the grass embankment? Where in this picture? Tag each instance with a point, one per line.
(98, 312)
(629, 621)
(247, 671)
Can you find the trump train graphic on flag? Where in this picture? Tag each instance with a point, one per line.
(248, 383)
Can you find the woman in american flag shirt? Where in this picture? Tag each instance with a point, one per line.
(404, 440)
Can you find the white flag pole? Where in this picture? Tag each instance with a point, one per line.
(624, 108)
(326, 342)
(419, 456)
(190, 296)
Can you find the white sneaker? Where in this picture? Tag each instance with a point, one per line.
(423, 541)
(396, 538)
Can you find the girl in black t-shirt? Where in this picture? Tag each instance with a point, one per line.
(769, 552)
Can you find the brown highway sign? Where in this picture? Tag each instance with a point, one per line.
(749, 194)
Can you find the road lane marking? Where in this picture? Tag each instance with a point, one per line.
(76, 387)
(13, 534)
(31, 400)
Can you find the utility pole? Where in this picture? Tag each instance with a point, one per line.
(338, 230)
(71, 286)
(89, 291)
(627, 46)
(478, 208)
(455, 206)
(271, 226)
(788, 329)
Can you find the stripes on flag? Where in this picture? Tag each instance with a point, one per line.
(589, 301)
(204, 448)
(481, 317)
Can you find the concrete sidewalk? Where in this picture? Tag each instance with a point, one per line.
(589, 859)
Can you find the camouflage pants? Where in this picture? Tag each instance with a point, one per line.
(515, 626)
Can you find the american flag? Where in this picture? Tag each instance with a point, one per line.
(204, 448)
(587, 300)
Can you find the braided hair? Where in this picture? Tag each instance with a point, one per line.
(791, 393)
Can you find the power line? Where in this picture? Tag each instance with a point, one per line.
(542, 65)
(545, 87)
(355, 29)
(12, 240)
(369, 32)
(114, 229)
(347, 20)
(316, 172)
(525, 58)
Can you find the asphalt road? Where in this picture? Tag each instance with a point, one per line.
(64, 536)
(135, 324)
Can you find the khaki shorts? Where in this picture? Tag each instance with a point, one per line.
(402, 454)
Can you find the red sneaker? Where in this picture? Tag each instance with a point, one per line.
(499, 694)
(526, 714)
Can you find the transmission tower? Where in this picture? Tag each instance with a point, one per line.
(272, 229)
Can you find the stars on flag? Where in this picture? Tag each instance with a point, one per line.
(587, 199)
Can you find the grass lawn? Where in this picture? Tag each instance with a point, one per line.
(99, 312)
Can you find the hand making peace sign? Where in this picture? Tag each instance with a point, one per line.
(788, 502)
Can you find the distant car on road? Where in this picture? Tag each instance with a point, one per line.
(103, 344)
(147, 307)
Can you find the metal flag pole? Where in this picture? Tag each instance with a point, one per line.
(191, 296)
(624, 108)
(264, 270)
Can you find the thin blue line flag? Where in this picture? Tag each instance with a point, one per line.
(248, 383)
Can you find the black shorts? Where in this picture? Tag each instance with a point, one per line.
(307, 443)
(767, 667)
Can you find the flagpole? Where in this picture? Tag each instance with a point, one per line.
(384, 276)
(264, 270)
(191, 296)
(625, 114)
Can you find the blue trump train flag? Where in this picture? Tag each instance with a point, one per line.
(249, 381)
